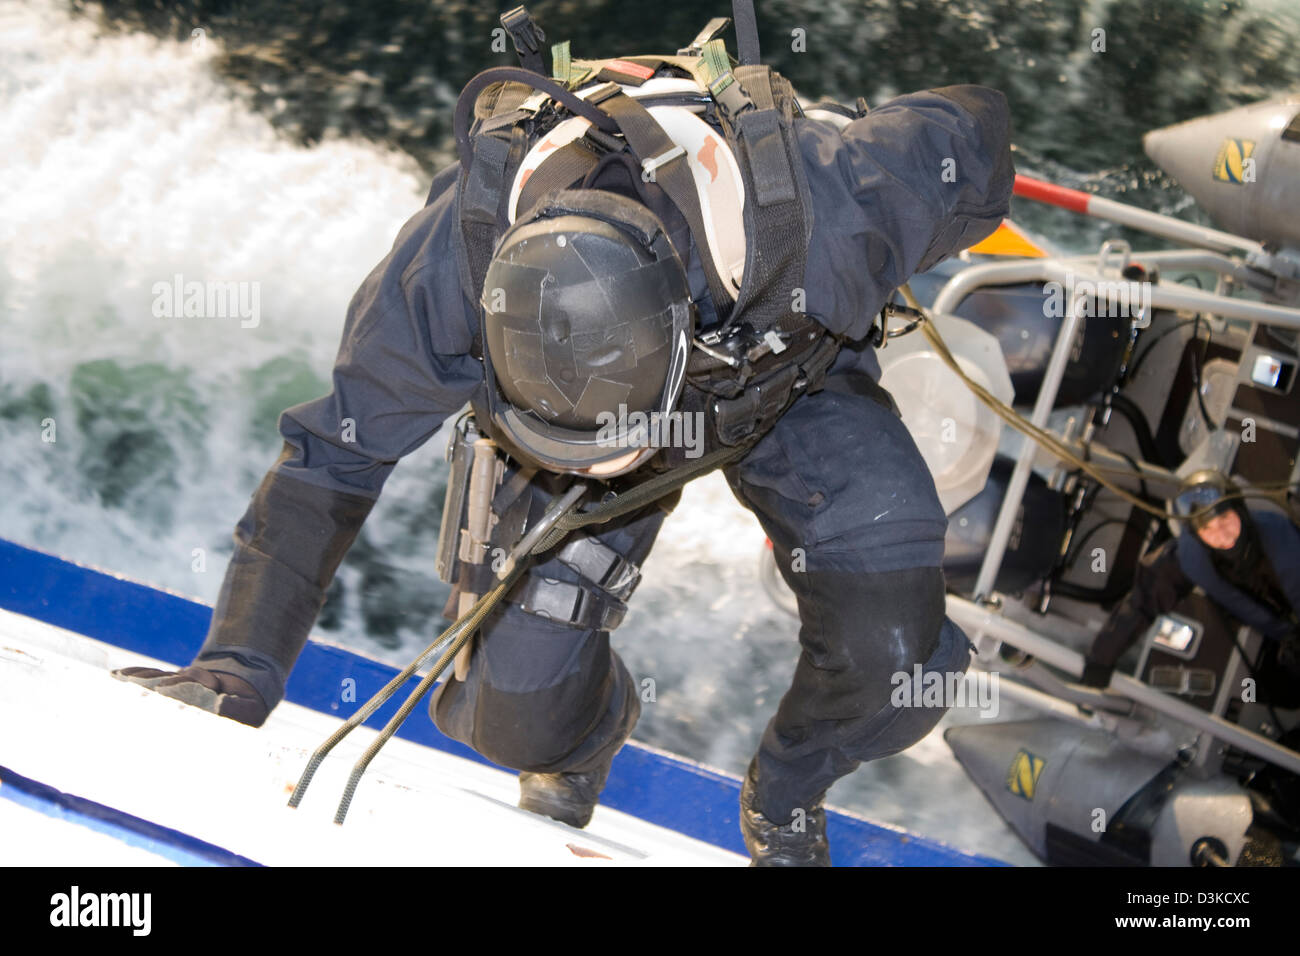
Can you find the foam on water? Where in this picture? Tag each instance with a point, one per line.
(128, 162)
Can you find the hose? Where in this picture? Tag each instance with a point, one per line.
(1058, 448)
(466, 626)
(1141, 428)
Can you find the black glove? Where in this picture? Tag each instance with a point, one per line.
(1096, 675)
(223, 694)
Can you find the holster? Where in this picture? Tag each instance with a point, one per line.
(489, 505)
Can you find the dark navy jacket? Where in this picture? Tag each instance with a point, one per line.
(883, 210)
(1281, 543)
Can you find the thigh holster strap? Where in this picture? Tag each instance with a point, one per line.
(572, 604)
(602, 566)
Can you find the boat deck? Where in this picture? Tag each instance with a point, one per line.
(117, 770)
(78, 732)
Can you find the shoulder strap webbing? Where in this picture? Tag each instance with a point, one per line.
(482, 192)
(490, 143)
(742, 11)
(665, 165)
(565, 167)
(756, 107)
(780, 215)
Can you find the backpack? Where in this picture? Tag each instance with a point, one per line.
(763, 351)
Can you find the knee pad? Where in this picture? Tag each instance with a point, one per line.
(884, 621)
(574, 725)
(861, 631)
(952, 656)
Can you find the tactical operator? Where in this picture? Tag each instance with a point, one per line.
(616, 294)
(1246, 560)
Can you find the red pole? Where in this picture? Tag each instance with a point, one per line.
(1053, 195)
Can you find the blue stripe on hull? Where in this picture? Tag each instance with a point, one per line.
(161, 841)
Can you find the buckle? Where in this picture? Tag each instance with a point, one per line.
(648, 166)
(602, 566)
(771, 342)
(571, 604)
(603, 92)
(622, 579)
(730, 95)
(533, 103)
(612, 617)
(605, 142)
(711, 30)
(527, 37)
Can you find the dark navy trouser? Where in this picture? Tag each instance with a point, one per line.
(857, 528)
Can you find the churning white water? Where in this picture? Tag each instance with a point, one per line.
(131, 439)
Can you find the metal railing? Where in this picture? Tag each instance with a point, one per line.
(982, 618)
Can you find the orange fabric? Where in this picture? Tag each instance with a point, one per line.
(1007, 240)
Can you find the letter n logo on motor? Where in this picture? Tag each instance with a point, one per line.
(1234, 161)
(1022, 776)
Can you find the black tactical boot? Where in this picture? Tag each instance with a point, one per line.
(568, 797)
(801, 842)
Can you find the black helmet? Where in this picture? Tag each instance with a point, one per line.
(587, 319)
(1204, 489)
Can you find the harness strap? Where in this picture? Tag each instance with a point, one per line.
(649, 143)
(566, 166)
(598, 601)
(482, 194)
(465, 105)
(476, 210)
(779, 217)
(613, 577)
(742, 11)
